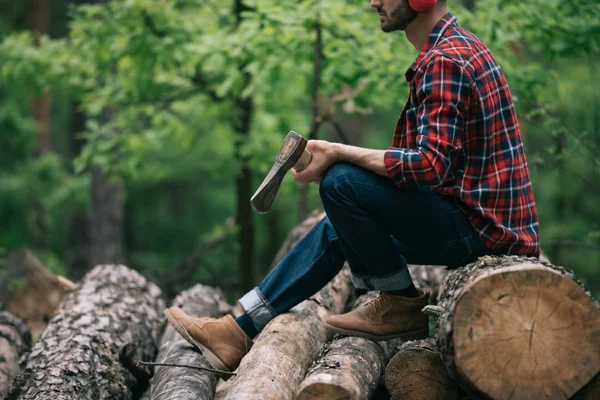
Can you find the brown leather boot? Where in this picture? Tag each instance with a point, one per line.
(222, 341)
(385, 317)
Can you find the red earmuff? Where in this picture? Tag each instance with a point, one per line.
(422, 5)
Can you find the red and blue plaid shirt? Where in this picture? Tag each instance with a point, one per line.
(459, 135)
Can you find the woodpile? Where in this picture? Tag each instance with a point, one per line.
(89, 349)
(173, 383)
(505, 328)
(15, 340)
(348, 367)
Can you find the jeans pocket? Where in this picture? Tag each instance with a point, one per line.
(457, 252)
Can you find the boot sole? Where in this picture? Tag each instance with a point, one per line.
(211, 357)
(404, 336)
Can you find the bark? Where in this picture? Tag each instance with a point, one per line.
(517, 326)
(29, 290)
(15, 340)
(287, 346)
(89, 349)
(183, 384)
(348, 367)
(107, 219)
(418, 372)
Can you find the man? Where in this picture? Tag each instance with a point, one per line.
(453, 186)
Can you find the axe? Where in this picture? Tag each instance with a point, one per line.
(292, 153)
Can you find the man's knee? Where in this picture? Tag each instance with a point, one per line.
(337, 181)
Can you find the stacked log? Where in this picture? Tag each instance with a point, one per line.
(187, 384)
(287, 346)
(15, 340)
(348, 367)
(517, 327)
(417, 372)
(89, 349)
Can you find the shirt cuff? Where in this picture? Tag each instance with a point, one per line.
(394, 161)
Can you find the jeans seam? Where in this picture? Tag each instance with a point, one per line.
(265, 302)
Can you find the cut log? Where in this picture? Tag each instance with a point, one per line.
(182, 383)
(348, 367)
(15, 340)
(517, 327)
(418, 372)
(287, 346)
(89, 349)
(29, 290)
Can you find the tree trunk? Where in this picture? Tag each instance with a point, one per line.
(348, 367)
(418, 372)
(244, 109)
(517, 326)
(89, 349)
(284, 350)
(29, 290)
(40, 25)
(15, 340)
(187, 384)
(107, 219)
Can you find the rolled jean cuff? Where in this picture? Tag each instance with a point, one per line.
(396, 281)
(258, 308)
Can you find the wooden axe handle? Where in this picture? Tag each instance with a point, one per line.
(304, 160)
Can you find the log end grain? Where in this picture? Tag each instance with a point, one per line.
(526, 330)
(417, 372)
(323, 390)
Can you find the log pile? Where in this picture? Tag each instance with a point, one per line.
(348, 367)
(89, 349)
(506, 327)
(173, 383)
(15, 340)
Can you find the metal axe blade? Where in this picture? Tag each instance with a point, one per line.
(292, 153)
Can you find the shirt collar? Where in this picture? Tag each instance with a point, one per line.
(440, 28)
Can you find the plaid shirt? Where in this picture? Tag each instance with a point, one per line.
(458, 134)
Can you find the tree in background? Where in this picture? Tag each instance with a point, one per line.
(200, 95)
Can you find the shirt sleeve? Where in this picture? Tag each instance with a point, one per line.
(443, 96)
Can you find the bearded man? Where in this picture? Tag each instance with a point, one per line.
(454, 185)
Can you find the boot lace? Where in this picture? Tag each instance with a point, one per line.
(378, 303)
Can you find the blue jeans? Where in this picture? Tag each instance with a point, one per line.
(375, 226)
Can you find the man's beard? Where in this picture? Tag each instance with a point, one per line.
(398, 18)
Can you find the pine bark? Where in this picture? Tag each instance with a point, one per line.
(417, 371)
(348, 367)
(518, 327)
(173, 383)
(15, 340)
(89, 349)
(287, 346)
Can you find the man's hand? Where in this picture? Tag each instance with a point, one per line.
(323, 155)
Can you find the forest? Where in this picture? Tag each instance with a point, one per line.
(135, 132)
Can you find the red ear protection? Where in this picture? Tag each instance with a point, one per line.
(422, 5)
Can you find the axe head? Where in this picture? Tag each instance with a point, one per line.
(291, 153)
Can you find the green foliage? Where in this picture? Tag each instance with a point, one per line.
(159, 79)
